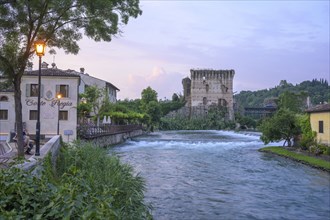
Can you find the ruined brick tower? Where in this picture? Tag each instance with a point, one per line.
(209, 87)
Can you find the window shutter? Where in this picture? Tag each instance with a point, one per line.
(68, 95)
(28, 90)
(57, 90)
(42, 91)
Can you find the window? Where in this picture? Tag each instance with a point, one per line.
(4, 114)
(33, 115)
(204, 100)
(222, 102)
(63, 115)
(32, 90)
(3, 99)
(320, 126)
(63, 90)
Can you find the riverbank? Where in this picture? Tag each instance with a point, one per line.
(314, 161)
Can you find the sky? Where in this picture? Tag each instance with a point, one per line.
(263, 41)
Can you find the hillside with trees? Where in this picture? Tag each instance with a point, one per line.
(317, 90)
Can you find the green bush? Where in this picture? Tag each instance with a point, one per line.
(327, 151)
(87, 184)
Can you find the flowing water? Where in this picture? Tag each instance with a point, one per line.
(221, 175)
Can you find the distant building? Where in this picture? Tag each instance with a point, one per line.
(87, 80)
(320, 122)
(207, 88)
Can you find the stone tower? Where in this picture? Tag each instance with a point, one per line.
(209, 87)
(186, 83)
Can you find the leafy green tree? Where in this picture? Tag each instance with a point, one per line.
(175, 98)
(148, 95)
(154, 111)
(308, 136)
(282, 126)
(292, 101)
(60, 24)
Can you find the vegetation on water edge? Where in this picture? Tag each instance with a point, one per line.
(86, 184)
(312, 161)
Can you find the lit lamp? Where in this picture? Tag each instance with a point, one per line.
(40, 51)
(59, 96)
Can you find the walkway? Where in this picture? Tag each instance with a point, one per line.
(8, 152)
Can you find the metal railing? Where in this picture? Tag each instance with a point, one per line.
(88, 131)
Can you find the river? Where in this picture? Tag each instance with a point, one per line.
(221, 175)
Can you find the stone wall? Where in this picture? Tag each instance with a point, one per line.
(108, 140)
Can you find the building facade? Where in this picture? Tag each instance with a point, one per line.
(53, 111)
(320, 122)
(87, 80)
(207, 88)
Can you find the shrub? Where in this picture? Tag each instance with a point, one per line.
(87, 184)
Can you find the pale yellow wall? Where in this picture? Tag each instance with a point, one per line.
(315, 117)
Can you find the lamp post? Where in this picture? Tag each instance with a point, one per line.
(59, 96)
(40, 51)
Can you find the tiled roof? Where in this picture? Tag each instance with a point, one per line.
(319, 108)
(50, 72)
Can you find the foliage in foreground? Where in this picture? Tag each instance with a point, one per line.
(315, 162)
(87, 184)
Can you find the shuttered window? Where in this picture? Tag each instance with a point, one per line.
(63, 115)
(63, 90)
(32, 90)
(33, 115)
(3, 114)
(320, 126)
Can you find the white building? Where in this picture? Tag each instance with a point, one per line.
(87, 80)
(52, 110)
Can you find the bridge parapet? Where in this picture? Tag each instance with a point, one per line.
(92, 131)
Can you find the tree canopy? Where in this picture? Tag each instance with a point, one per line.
(282, 126)
(61, 24)
(317, 90)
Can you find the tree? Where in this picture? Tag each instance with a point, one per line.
(151, 106)
(282, 126)
(94, 96)
(175, 98)
(292, 101)
(148, 95)
(60, 24)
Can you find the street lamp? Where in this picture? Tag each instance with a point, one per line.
(59, 96)
(40, 51)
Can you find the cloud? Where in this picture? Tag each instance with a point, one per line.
(164, 83)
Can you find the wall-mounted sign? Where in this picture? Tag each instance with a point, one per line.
(52, 103)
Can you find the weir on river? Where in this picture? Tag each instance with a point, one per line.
(221, 175)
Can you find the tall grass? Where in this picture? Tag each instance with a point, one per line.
(86, 184)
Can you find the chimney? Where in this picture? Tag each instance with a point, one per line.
(82, 70)
(29, 66)
(44, 65)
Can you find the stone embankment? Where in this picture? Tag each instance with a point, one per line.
(112, 139)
